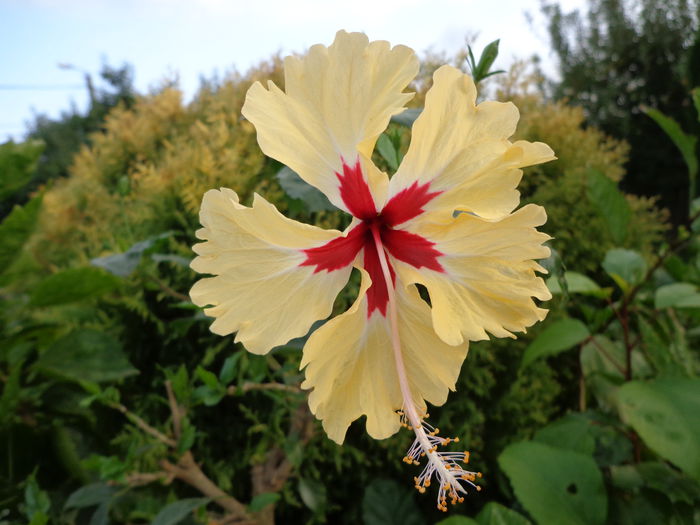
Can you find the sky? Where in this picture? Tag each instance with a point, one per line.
(189, 39)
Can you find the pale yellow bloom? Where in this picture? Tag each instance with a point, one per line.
(274, 277)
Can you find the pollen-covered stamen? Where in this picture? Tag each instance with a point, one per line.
(444, 465)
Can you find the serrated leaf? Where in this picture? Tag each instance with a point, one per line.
(261, 501)
(75, 284)
(611, 204)
(626, 267)
(176, 511)
(407, 117)
(677, 295)
(297, 188)
(89, 496)
(666, 415)
(555, 338)
(16, 229)
(86, 355)
(555, 485)
(388, 503)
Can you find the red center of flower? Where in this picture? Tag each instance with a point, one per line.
(402, 245)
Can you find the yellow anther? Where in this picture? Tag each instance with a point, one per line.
(426, 483)
(461, 500)
(456, 440)
(421, 490)
(478, 474)
(478, 488)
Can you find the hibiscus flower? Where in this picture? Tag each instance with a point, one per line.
(445, 220)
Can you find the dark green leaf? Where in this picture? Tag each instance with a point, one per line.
(16, 229)
(572, 432)
(101, 515)
(684, 142)
(677, 295)
(123, 264)
(666, 415)
(557, 337)
(626, 267)
(407, 117)
(297, 188)
(555, 485)
(496, 514)
(208, 378)
(313, 494)
(176, 511)
(387, 503)
(386, 149)
(261, 501)
(488, 56)
(90, 495)
(458, 520)
(86, 355)
(75, 284)
(611, 204)
(696, 101)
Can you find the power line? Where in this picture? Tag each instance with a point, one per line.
(40, 87)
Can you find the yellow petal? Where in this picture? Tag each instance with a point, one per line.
(338, 100)
(462, 151)
(261, 289)
(350, 365)
(489, 276)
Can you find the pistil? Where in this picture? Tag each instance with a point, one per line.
(445, 465)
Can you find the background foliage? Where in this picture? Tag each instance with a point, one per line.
(119, 406)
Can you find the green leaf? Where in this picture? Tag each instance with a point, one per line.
(555, 338)
(407, 117)
(89, 496)
(123, 264)
(666, 415)
(458, 520)
(16, 229)
(488, 57)
(496, 514)
(17, 164)
(208, 378)
(36, 501)
(386, 149)
(75, 284)
(313, 494)
(677, 295)
(176, 511)
(611, 204)
(261, 501)
(387, 503)
(228, 370)
(572, 432)
(86, 355)
(626, 267)
(555, 485)
(684, 142)
(101, 515)
(696, 101)
(297, 188)
(577, 283)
